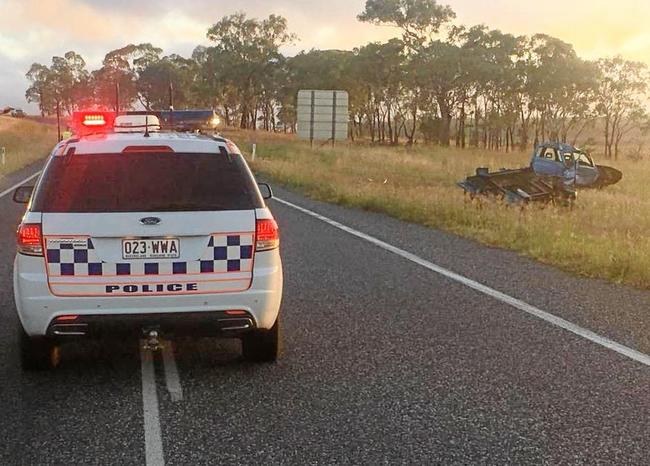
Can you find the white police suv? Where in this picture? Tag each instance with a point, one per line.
(131, 232)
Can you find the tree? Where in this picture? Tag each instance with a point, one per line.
(419, 20)
(487, 86)
(65, 84)
(559, 85)
(39, 90)
(249, 50)
(171, 73)
(439, 74)
(379, 69)
(122, 67)
(70, 81)
(620, 100)
(210, 88)
(439, 82)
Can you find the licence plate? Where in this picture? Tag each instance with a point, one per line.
(155, 248)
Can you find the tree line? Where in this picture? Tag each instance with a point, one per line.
(439, 82)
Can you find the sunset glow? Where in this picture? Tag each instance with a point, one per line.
(34, 31)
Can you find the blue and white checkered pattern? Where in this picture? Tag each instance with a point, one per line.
(76, 257)
(73, 257)
(228, 253)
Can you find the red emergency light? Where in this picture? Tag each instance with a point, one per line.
(93, 122)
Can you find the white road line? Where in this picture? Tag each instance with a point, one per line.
(514, 302)
(171, 372)
(154, 455)
(17, 185)
(152, 437)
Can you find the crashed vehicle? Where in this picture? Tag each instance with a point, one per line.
(573, 165)
(555, 172)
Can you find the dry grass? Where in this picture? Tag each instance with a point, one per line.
(24, 141)
(604, 236)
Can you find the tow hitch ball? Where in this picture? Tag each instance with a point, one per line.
(152, 340)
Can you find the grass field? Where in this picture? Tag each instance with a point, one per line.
(24, 142)
(604, 236)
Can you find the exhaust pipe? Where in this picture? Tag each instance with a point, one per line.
(235, 324)
(70, 330)
(152, 339)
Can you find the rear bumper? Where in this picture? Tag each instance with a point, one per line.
(198, 324)
(37, 307)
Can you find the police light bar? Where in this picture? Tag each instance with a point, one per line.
(137, 123)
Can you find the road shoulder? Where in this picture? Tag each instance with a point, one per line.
(615, 311)
(14, 178)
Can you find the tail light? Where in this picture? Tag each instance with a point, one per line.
(29, 239)
(267, 235)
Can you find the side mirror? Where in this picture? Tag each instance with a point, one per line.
(265, 190)
(23, 194)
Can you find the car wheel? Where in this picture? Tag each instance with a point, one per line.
(262, 345)
(37, 354)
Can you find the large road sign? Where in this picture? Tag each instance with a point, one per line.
(323, 115)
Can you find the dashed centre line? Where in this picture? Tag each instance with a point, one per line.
(172, 379)
(154, 455)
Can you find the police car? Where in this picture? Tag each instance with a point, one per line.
(134, 231)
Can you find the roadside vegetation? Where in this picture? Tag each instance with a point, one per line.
(603, 236)
(489, 94)
(437, 81)
(24, 142)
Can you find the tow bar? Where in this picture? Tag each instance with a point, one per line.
(152, 340)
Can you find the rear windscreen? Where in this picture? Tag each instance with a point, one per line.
(146, 182)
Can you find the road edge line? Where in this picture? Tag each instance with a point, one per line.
(486, 290)
(153, 448)
(17, 185)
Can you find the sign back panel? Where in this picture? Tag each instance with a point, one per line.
(323, 115)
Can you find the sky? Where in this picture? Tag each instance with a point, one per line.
(35, 30)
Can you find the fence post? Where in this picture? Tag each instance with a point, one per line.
(3, 156)
(254, 152)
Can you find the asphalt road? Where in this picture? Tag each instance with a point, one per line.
(385, 362)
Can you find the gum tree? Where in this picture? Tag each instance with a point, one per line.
(620, 100)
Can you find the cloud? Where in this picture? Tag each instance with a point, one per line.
(94, 27)
(12, 85)
(13, 48)
(35, 30)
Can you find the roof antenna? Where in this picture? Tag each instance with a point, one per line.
(146, 126)
(171, 105)
(117, 99)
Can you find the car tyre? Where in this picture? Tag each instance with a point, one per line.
(37, 354)
(262, 345)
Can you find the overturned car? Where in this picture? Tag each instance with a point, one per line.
(555, 172)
